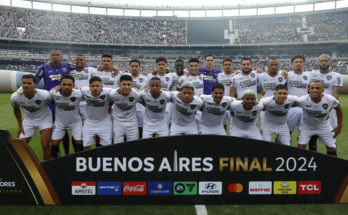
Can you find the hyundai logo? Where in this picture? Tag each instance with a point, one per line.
(210, 186)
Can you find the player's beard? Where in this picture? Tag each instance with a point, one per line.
(246, 71)
(324, 68)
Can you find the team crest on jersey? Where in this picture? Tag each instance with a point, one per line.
(113, 74)
(73, 99)
(280, 79)
(286, 106)
(161, 101)
(329, 77)
(85, 70)
(167, 79)
(38, 102)
(141, 80)
(252, 75)
(193, 107)
(305, 77)
(325, 106)
(102, 97)
(224, 104)
(131, 99)
(254, 113)
(64, 69)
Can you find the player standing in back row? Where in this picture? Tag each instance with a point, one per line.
(209, 74)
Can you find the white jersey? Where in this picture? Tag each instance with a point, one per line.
(176, 78)
(183, 113)
(269, 83)
(329, 80)
(140, 83)
(67, 108)
(82, 78)
(225, 80)
(166, 80)
(109, 79)
(124, 106)
(212, 112)
(277, 114)
(315, 114)
(298, 83)
(35, 108)
(244, 119)
(97, 107)
(196, 81)
(155, 108)
(244, 82)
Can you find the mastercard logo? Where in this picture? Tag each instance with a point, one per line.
(235, 188)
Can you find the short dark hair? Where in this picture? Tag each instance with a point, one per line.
(80, 55)
(126, 78)
(188, 85)
(29, 76)
(208, 55)
(194, 60)
(281, 87)
(316, 81)
(134, 61)
(246, 58)
(55, 49)
(218, 86)
(161, 58)
(155, 79)
(298, 56)
(68, 77)
(95, 78)
(179, 60)
(227, 59)
(107, 55)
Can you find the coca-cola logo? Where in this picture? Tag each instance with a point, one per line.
(134, 188)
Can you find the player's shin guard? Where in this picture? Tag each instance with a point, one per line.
(66, 143)
(332, 153)
(312, 145)
(55, 151)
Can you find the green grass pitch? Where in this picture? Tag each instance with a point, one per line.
(8, 122)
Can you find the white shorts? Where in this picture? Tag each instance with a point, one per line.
(217, 130)
(333, 119)
(252, 133)
(227, 118)
(282, 132)
(169, 113)
(128, 129)
(30, 126)
(140, 118)
(103, 130)
(324, 133)
(83, 112)
(182, 130)
(294, 118)
(149, 131)
(59, 130)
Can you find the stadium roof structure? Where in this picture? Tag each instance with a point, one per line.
(180, 8)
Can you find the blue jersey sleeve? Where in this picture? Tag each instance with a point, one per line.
(40, 73)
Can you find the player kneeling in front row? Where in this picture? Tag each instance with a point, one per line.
(244, 116)
(185, 106)
(276, 110)
(155, 101)
(34, 103)
(98, 120)
(213, 111)
(316, 108)
(67, 115)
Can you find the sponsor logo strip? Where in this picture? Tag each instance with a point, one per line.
(81, 188)
(134, 188)
(109, 188)
(159, 188)
(210, 188)
(185, 188)
(260, 187)
(309, 187)
(284, 187)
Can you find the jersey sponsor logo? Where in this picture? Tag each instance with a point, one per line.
(134, 188)
(73, 99)
(210, 188)
(109, 188)
(55, 77)
(329, 77)
(159, 188)
(284, 187)
(193, 107)
(185, 188)
(309, 187)
(38, 102)
(260, 187)
(83, 188)
(325, 106)
(280, 79)
(131, 99)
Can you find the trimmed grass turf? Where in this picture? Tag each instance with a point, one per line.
(8, 122)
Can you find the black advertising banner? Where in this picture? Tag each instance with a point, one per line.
(194, 169)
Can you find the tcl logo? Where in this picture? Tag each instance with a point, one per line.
(134, 188)
(309, 187)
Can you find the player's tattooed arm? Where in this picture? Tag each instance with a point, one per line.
(18, 114)
(339, 115)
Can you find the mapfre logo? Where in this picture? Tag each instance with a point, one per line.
(309, 187)
(83, 188)
(260, 187)
(134, 188)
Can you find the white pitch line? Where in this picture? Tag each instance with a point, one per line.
(201, 210)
